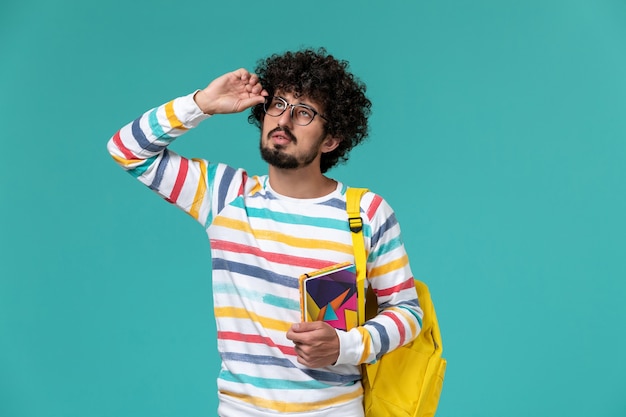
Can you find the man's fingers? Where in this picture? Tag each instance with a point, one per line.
(254, 88)
(249, 102)
(307, 326)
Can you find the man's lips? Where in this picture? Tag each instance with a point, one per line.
(280, 137)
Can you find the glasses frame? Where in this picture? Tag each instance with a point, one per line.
(290, 106)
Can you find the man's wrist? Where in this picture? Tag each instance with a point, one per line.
(203, 102)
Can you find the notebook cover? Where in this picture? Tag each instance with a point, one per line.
(330, 295)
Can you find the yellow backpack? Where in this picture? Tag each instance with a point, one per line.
(407, 381)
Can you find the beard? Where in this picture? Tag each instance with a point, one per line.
(278, 158)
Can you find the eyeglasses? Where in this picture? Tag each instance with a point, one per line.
(301, 114)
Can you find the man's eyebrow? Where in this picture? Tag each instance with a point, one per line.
(310, 106)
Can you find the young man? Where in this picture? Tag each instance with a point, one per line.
(265, 231)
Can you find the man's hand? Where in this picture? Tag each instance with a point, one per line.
(317, 344)
(231, 93)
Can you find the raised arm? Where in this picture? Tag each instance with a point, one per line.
(141, 147)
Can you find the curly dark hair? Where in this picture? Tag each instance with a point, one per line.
(316, 74)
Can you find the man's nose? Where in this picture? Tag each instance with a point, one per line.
(285, 118)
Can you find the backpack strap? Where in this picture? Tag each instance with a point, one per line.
(353, 207)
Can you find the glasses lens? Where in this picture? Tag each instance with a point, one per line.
(302, 115)
(275, 106)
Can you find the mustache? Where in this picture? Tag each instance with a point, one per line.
(286, 131)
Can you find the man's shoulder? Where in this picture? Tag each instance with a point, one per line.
(372, 204)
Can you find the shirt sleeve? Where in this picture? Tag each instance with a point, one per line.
(399, 317)
(141, 148)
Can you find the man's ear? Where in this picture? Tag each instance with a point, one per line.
(330, 143)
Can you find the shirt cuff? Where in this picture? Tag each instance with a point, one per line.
(350, 347)
(188, 111)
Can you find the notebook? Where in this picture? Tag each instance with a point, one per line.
(330, 295)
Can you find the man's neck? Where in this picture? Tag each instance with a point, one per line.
(301, 182)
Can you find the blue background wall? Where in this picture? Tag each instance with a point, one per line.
(498, 135)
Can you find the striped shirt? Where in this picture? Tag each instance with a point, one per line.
(261, 242)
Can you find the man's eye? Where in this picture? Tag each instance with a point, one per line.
(305, 113)
(278, 104)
